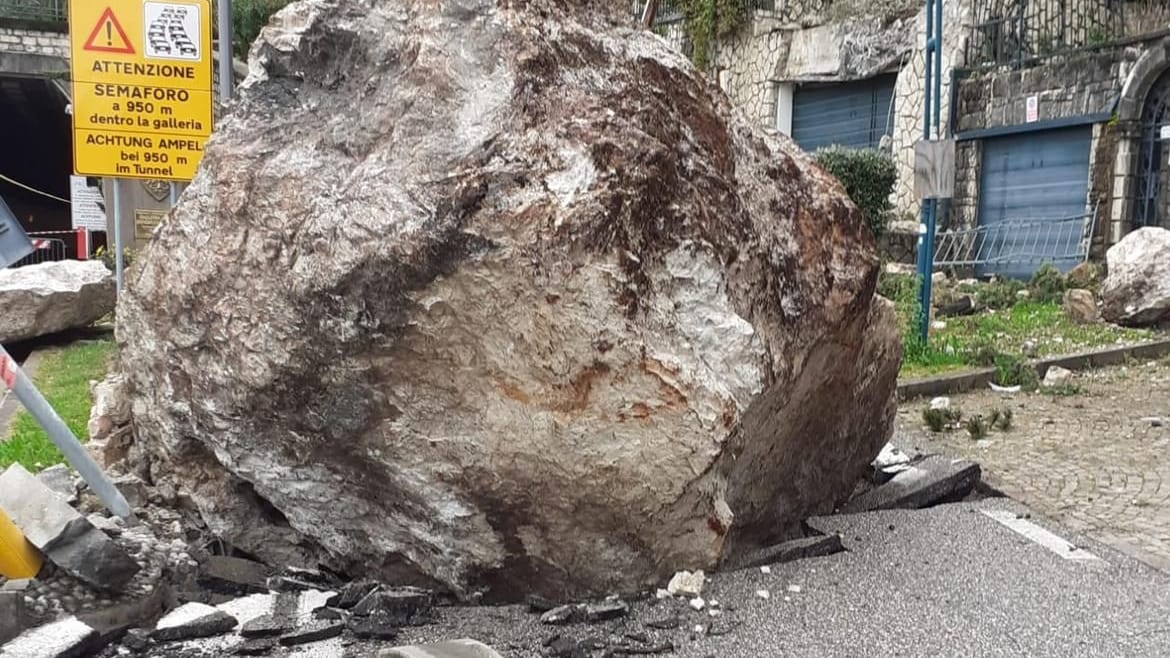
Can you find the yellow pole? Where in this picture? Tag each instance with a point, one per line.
(18, 558)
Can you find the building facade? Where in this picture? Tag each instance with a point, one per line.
(1056, 106)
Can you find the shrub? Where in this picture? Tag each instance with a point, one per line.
(1012, 370)
(1047, 285)
(940, 419)
(1001, 419)
(106, 256)
(977, 427)
(868, 177)
(1000, 293)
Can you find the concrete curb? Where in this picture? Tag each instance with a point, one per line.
(969, 380)
(9, 405)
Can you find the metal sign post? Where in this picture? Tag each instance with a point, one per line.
(933, 101)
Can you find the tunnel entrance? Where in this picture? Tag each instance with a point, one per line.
(37, 155)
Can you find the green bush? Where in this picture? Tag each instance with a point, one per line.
(248, 17)
(1047, 285)
(1000, 294)
(868, 177)
(1012, 370)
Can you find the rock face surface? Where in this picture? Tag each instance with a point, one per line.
(1136, 290)
(503, 298)
(47, 298)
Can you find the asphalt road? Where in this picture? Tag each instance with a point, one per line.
(947, 581)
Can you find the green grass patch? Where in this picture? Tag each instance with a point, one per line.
(1018, 328)
(63, 376)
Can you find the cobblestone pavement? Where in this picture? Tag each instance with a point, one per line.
(1097, 460)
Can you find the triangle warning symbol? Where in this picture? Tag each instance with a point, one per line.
(108, 36)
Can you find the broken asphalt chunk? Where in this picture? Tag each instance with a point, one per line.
(796, 549)
(267, 626)
(65, 537)
(224, 574)
(193, 620)
(401, 604)
(313, 631)
(935, 479)
(67, 638)
(351, 594)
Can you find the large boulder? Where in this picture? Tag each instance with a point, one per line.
(1136, 290)
(503, 298)
(50, 297)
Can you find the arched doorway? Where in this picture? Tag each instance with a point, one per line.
(1151, 206)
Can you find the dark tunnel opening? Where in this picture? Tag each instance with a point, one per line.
(38, 154)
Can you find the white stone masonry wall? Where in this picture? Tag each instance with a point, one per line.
(36, 42)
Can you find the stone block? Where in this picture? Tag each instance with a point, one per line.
(61, 533)
(451, 649)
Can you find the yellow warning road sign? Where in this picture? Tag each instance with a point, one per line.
(142, 76)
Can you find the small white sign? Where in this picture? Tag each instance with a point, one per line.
(1032, 109)
(87, 204)
(172, 31)
(1164, 133)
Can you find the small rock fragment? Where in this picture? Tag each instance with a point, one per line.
(313, 631)
(59, 479)
(937, 403)
(763, 593)
(698, 603)
(795, 589)
(686, 583)
(1057, 376)
(765, 569)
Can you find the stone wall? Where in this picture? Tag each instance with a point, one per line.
(34, 42)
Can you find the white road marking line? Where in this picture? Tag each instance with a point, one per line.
(1048, 540)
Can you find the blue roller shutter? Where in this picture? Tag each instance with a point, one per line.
(1040, 177)
(853, 114)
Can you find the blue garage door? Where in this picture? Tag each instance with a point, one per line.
(853, 114)
(1032, 200)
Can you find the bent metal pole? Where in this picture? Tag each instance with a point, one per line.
(61, 435)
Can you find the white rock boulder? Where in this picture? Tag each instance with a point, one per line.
(47, 298)
(1136, 290)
